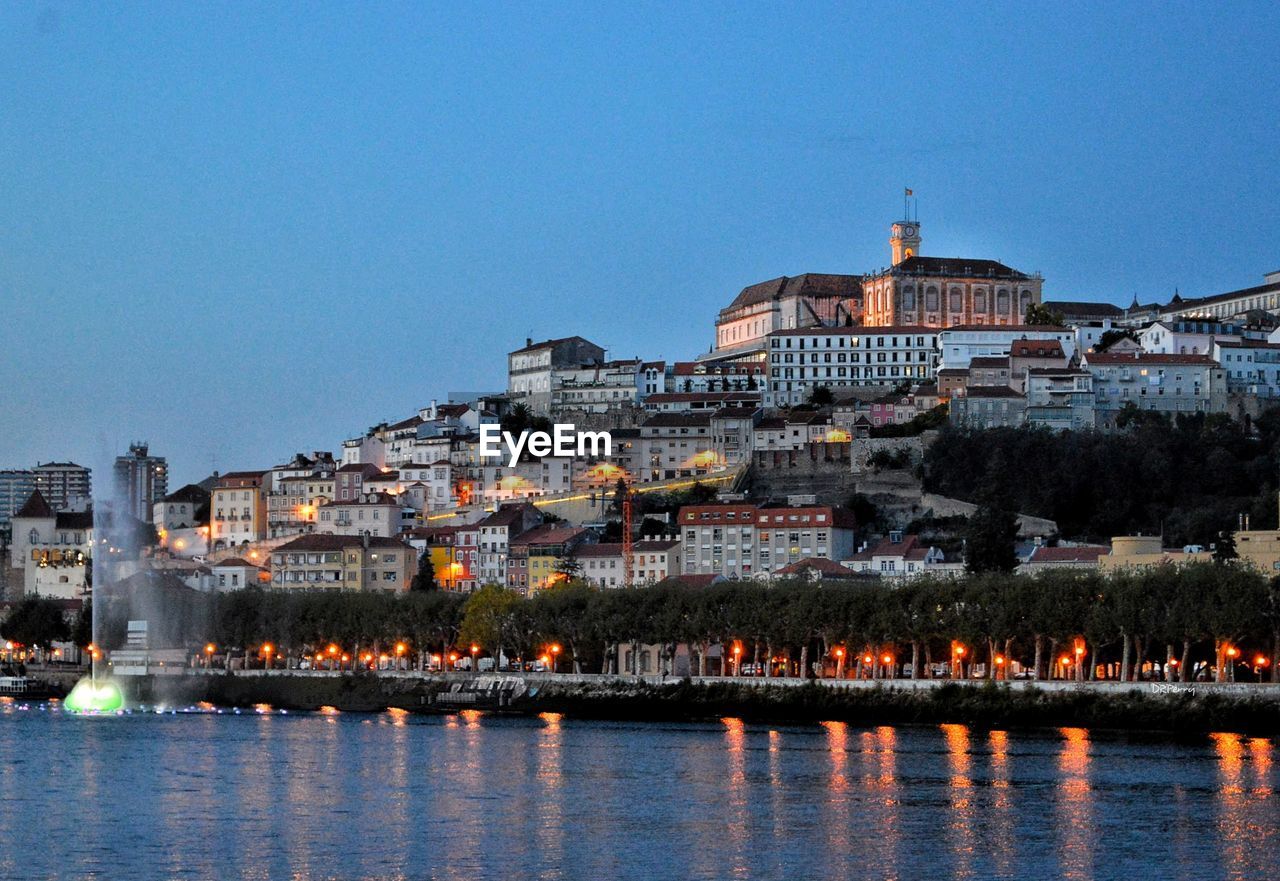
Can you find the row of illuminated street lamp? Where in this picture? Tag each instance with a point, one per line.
(1070, 665)
(333, 657)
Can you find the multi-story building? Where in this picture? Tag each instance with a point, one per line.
(701, 377)
(653, 560)
(596, 388)
(1026, 355)
(988, 406)
(533, 555)
(428, 488)
(800, 361)
(1060, 397)
(804, 301)
(343, 562)
(677, 445)
(1168, 384)
(348, 480)
(182, 509)
(375, 513)
(1251, 367)
(732, 433)
(903, 557)
(960, 345)
(495, 534)
(438, 542)
(16, 486)
(64, 485)
(747, 541)
(696, 402)
(239, 509)
(1264, 297)
(944, 291)
(141, 480)
(52, 549)
(1184, 336)
(533, 371)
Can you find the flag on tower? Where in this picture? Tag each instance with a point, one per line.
(910, 192)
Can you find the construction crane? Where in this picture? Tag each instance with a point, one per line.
(628, 545)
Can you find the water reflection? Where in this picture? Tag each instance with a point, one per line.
(550, 811)
(1002, 819)
(1075, 805)
(960, 794)
(735, 736)
(836, 814)
(313, 796)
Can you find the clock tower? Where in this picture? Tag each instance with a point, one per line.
(904, 239)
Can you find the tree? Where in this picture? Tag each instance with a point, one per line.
(1038, 313)
(517, 419)
(989, 540)
(568, 566)
(1113, 336)
(426, 577)
(821, 396)
(36, 621)
(489, 618)
(1224, 549)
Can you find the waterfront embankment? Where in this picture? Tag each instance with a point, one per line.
(1155, 706)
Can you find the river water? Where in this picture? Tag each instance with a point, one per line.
(386, 796)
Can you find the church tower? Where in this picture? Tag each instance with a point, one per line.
(904, 239)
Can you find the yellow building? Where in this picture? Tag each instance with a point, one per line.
(1135, 552)
(1260, 548)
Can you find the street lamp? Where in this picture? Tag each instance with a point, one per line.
(555, 657)
(839, 663)
(267, 649)
(737, 659)
(474, 650)
(401, 649)
(209, 649)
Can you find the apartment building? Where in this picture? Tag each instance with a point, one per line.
(749, 541)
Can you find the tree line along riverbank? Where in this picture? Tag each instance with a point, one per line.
(1214, 622)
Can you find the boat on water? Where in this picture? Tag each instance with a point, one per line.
(26, 688)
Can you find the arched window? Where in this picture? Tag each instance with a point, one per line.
(908, 299)
(1002, 302)
(979, 300)
(33, 537)
(957, 300)
(931, 299)
(1024, 300)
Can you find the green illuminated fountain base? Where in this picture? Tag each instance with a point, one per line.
(88, 696)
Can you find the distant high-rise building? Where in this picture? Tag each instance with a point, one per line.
(16, 486)
(64, 485)
(141, 480)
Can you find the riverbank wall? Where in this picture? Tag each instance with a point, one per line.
(1155, 706)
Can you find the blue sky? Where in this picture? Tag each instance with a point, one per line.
(242, 232)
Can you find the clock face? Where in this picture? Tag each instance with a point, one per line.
(909, 231)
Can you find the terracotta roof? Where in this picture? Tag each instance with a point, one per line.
(828, 568)
(237, 562)
(35, 506)
(811, 284)
(961, 267)
(887, 548)
(506, 515)
(992, 391)
(1084, 554)
(1037, 349)
(189, 493)
(1082, 309)
(989, 361)
(548, 535)
(697, 580)
(545, 344)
